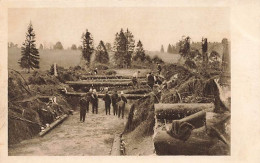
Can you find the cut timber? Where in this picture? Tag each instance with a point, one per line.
(53, 125)
(180, 110)
(103, 84)
(115, 151)
(197, 120)
(198, 143)
(128, 96)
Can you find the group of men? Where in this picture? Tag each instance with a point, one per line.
(91, 97)
(118, 103)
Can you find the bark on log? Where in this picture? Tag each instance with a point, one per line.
(180, 110)
(115, 151)
(199, 143)
(197, 120)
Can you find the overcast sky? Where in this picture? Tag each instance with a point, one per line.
(153, 26)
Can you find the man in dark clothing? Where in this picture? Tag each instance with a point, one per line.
(94, 100)
(150, 80)
(88, 99)
(82, 104)
(121, 104)
(114, 99)
(107, 100)
(159, 68)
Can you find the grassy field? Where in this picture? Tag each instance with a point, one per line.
(68, 58)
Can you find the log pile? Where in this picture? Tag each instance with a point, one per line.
(103, 84)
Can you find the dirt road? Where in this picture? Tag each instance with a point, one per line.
(72, 138)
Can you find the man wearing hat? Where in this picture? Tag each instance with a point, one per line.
(121, 104)
(88, 98)
(114, 99)
(107, 100)
(82, 104)
(94, 100)
(150, 80)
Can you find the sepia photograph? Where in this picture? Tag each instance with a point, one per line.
(119, 81)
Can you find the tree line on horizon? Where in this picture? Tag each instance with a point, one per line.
(124, 49)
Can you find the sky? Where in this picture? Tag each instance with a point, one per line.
(153, 26)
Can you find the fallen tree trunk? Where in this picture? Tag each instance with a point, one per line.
(103, 84)
(197, 120)
(115, 151)
(128, 96)
(180, 110)
(198, 143)
(53, 125)
(107, 77)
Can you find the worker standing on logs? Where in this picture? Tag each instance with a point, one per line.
(82, 104)
(134, 79)
(150, 80)
(159, 68)
(88, 98)
(114, 99)
(107, 100)
(121, 104)
(94, 100)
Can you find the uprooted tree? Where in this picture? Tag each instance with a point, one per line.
(87, 47)
(30, 54)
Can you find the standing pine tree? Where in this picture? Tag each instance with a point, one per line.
(30, 55)
(162, 49)
(129, 48)
(120, 49)
(169, 49)
(139, 52)
(87, 47)
(101, 53)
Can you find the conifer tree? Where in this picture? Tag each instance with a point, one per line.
(129, 48)
(87, 47)
(139, 52)
(30, 55)
(101, 53)
(169, 49)
(120, 49)
(162, 49)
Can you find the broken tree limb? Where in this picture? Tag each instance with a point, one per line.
(180, 110)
